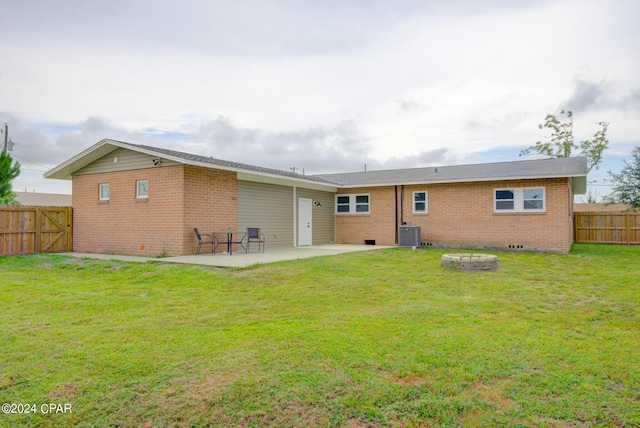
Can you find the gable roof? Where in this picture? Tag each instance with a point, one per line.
(65, 170)
(574, 168)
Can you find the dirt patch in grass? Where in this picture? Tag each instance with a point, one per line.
(492, 392)
(411, 379)
(200, 389)
(65, 392)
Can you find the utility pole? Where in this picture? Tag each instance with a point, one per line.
(6, 135)
(8, 144)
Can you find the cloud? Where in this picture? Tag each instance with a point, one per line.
(321, 148)
(33, 148)
(252, 28)
(43, 145)
(328, 86)
(339, 147)
(601, 95)
(407, 106)
(586, 95)
(632, 100)
(436, 157)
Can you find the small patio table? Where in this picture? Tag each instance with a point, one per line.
(239, 238)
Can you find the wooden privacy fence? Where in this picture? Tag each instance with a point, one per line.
(607, 227)
(30, 229)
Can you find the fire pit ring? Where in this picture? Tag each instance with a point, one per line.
(470, 262)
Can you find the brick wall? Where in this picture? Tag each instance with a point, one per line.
(210, 203)
(180, 198)
(461, 215)
(184, 197)
(378, 225)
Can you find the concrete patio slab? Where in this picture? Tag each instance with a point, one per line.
(242, 259)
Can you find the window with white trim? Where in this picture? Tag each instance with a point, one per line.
(352, 204)
(142, 189)
(420, 203)
(519, 199)
(104, 191)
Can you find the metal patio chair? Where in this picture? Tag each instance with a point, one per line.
(206, 240)
(254, 235)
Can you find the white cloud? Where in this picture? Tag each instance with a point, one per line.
(318, 84)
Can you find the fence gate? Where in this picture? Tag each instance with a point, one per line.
(31, 229)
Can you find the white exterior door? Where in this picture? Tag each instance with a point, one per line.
(305, 225)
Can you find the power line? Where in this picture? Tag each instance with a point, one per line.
(33, 170)
(48, 150)
(8, 144)
(46, 168)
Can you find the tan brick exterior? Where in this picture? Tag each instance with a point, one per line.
(461, 215)
(180, 198)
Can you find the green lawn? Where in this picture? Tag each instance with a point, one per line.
(380, 338)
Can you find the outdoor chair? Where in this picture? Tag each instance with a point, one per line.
(206, 240)
(254, 235)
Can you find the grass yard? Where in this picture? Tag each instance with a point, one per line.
(380, 338)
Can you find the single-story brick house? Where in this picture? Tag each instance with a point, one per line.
(142, 200)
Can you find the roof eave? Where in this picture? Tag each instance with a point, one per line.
(237, 170)
(65, 170)
(286, 181)
(82, 159)
(465, 180)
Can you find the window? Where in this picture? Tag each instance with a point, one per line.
(420, 203)
(343, 204)
(104, 191)
(527, 199)
(142, 189)
(352, 204)
(505, 199)
(533, 199)
(362, 203)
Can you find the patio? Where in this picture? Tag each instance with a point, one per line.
(241, 259)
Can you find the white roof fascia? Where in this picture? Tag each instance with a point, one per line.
(461, 180)
(93, 153)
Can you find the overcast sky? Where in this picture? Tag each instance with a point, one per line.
(327, 86)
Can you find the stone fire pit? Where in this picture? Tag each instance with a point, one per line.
(470, 262)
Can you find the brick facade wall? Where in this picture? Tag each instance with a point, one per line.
(461, 215)
(210, 203)
(378, 225)
(183, 197)
(180, 198)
